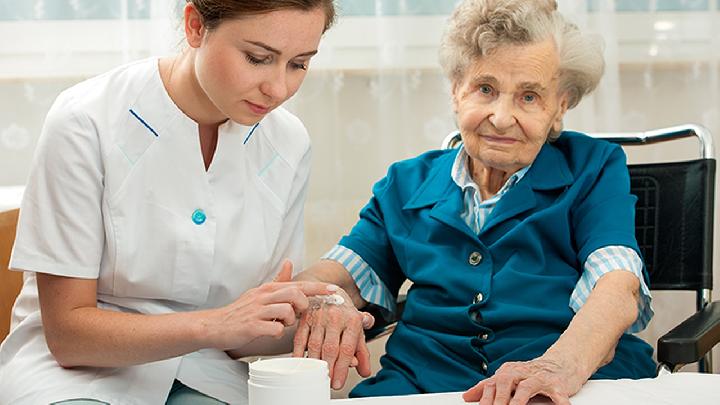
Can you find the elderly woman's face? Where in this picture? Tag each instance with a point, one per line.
(507, 104)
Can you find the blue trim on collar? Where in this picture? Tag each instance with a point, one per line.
(144, 123)
(252, 130)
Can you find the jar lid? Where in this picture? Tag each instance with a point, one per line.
(281, 368)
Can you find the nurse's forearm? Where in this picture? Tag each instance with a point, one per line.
(80, 334)
(94, 337)
(589, 341)
(330, 271)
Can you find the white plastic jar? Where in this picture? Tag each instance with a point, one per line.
(283, 381)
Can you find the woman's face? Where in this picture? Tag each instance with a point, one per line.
(250, 65)
(507, 103)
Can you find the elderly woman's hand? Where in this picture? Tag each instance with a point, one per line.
(515, 383)
(333, 331)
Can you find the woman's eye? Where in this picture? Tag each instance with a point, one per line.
(485, 89)
(299, 66)
(529, 98)
(254, 60)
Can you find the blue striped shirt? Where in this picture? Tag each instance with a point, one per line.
(475, 214)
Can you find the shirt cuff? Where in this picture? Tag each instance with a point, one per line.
(371, 287)
(605, 260)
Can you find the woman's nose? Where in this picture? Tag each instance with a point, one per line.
(275, 87)
(502, 115)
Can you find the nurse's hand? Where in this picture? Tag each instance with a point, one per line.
(334, 332)
(515, 383)
(262, 311)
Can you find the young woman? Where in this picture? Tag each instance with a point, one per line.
(164, 199)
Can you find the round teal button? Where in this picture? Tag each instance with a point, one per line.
(199, 217)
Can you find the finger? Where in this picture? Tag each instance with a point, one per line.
(557, 397)
(282, 313)
(354, 362)
(525, 390)
(330, 348)
(285, 271)
(488, 395)
(475, 393)
(301, 336)
(291, 295)
(362, 357)
(347, 353)
(368, 320)
(504, 386)
(309, 288)
(269, 328)
(315, 341)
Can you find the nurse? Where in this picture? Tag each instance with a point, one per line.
(164, 200)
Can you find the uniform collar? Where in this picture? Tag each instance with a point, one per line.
(154, 106)
(159, 112)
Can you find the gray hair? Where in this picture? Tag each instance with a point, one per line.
(477, 27)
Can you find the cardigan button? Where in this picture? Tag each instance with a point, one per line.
(484, 367)
(478, 298)
(475, 258)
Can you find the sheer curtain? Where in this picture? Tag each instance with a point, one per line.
(49, 45)
(374, 94)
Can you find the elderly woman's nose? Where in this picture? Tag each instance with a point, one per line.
(502, 114)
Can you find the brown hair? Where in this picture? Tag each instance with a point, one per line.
(214, 12)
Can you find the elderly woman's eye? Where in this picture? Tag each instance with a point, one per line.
(529, 98)
(485, 89)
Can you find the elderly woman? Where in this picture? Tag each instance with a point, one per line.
(520, 245)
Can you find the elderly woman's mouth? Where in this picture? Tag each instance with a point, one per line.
(505, 140)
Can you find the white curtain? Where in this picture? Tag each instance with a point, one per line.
(375, 94)
(49, 45)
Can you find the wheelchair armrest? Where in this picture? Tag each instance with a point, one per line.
(383, 326)
(692, 339)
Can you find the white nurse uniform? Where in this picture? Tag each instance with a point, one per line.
(119, 193)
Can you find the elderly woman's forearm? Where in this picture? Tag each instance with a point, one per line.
(330, 271)
(591, 337)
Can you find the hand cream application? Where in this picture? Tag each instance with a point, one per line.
(334, 299)
(282, 381)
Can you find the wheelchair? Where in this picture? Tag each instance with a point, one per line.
(674, 229)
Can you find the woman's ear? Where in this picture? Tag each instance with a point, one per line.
(194, 27)
(563, 107)
(455, 94)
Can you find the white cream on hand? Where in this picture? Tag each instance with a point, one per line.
(334, 299)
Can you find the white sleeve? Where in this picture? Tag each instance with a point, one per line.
(60, 230)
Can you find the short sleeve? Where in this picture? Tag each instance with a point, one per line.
(370, 240)
(60, 229)
(606, 215)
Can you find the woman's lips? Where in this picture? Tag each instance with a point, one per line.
(257, 109)
(499, 139)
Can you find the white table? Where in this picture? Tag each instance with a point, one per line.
(675, 389)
